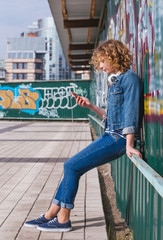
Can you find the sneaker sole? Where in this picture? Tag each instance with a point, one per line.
(54, 229)
(30, 225)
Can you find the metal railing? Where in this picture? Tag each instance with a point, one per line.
(139, 193)
(150, 174)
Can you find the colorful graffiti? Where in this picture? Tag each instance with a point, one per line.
(138, 24)
(26, 99)
(58, 97)
(46, 99)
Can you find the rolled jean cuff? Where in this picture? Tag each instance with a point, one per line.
(63, 205)
(128, 130)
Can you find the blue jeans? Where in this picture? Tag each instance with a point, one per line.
(103, 150)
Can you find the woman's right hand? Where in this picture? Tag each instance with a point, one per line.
(83, 102)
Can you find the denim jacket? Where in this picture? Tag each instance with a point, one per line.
(123, 103)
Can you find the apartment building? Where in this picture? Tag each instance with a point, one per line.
(37, 54)
(25, 59)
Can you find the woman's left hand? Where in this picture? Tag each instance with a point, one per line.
(131, 150)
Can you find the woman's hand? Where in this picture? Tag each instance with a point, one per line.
(130, 150)
(130, 146)
(83, 102)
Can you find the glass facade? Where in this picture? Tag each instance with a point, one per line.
(22, 55)
(26, 43)
(55, 67)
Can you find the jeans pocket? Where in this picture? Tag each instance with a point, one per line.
(115, 137)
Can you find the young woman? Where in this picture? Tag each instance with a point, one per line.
(113, 57)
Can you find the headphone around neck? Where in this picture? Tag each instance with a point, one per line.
(113, 77)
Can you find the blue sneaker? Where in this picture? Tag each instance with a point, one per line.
(55, 226)
(37, 221)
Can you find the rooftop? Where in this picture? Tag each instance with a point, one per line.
(31, 168)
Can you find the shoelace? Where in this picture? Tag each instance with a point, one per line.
(39, 217)
(54, 220)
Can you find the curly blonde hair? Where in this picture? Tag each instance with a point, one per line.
(112, 52)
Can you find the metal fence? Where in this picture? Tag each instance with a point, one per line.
(138, 200)
(43, 100)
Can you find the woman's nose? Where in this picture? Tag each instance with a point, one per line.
(101, 66)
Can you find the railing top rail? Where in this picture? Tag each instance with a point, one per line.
(149, 173)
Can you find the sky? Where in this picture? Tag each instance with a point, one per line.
(16, 16)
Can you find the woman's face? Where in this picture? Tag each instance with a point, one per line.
(106, 67)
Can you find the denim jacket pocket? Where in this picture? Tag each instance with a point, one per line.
(116, 95)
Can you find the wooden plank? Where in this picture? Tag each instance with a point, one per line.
(79, 56)
(81, 23)
(78, 63)
(81, 46)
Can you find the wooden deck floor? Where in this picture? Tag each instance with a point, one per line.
(31, 168)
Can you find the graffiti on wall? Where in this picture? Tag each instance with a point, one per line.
(46, 101)
(22, 97)
(137, 23)
(135, 28)
(58, 98)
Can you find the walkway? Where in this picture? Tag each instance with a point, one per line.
(31, 168)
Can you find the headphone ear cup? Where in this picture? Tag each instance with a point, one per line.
(112, 78)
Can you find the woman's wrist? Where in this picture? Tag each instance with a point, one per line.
(129, 146)
(91, 106)
(130, 140)
(97, 110)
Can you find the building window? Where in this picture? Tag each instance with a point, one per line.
(38, 66)
(20, 76)
(22, 55)
(38, 76)
(50, 56)
(14, 65)
(20, 65)
(14, 76)
(18, 55)
(30, 55)
(11, 55)
(25, 55)
(25, 66)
